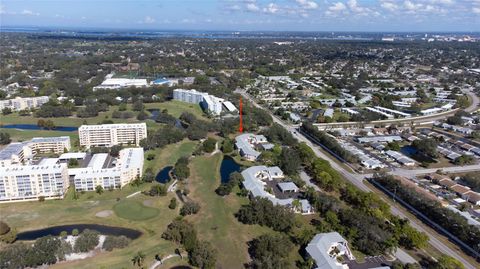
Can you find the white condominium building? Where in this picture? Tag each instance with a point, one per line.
(22, 103)
(189, 96)
(30, 182)
(107, 135)
(22, 153)
(208, 102)
(128, 167)
(56, 145)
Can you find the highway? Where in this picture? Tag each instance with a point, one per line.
(358, 180)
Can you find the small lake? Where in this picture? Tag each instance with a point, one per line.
(408, 150)
(228, 166)
(154, 113)
(35, 127)
(163, 176)
(56, 230)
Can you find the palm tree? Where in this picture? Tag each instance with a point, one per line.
(138, 259)
(296, 204)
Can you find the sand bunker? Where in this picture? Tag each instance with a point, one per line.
(104, 214)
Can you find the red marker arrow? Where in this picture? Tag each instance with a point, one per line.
(240, 127)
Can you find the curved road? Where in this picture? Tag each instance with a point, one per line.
(357, 180)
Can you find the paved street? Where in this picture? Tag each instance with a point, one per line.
(357, 180)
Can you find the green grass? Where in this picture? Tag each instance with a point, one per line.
(175, 108)
(169, 155)
(23, 135)
(134, 210)
(215, 221)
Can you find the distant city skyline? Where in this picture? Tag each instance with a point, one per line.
(248, 15)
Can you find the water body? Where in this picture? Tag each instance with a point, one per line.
(35, 127)
(163, 176)
(227, 167)
(56, 230)
(154, 113)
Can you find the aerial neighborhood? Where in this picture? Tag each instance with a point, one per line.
(240, 149)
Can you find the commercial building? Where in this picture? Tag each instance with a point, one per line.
(23, 183)
(257, 179)
(208, 102)
(325, 248)
(248, 143)
(22, 103)
(117, 83)
(107, 135)
(101, 171)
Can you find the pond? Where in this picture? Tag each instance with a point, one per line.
(154, 113)
(56, 230)
(163, 176)
(408, 150)
(35, 127)
(228, 166)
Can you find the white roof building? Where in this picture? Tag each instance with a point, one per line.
(118, 83)
(326, 247)
(255, 181)
(129, 166)
(247, 143)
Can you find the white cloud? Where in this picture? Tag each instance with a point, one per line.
(306, 4)
(147, 20)
(390, 6)
(252, 7)
(339, 6)
(443, 2)
(271, 8)
(2, 10)
(27, 12)
(476, 10)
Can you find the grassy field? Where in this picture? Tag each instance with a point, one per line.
(169, 155)
(175, 108)
(35, 215)
(134, 210)
(24, 135)
(216, 222)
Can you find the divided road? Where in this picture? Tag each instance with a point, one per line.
(358, 179)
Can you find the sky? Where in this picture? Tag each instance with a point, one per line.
(261, 15)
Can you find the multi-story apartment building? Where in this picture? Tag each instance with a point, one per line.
(208, 102)
(56, 145)
(107, 135)
(15, 154)
(21, 153)
(128, 167)
(22, 103)
(29, 182)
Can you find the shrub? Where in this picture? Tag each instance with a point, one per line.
(189, 208)
(86, 241)
(112, 242)
(173, 203)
